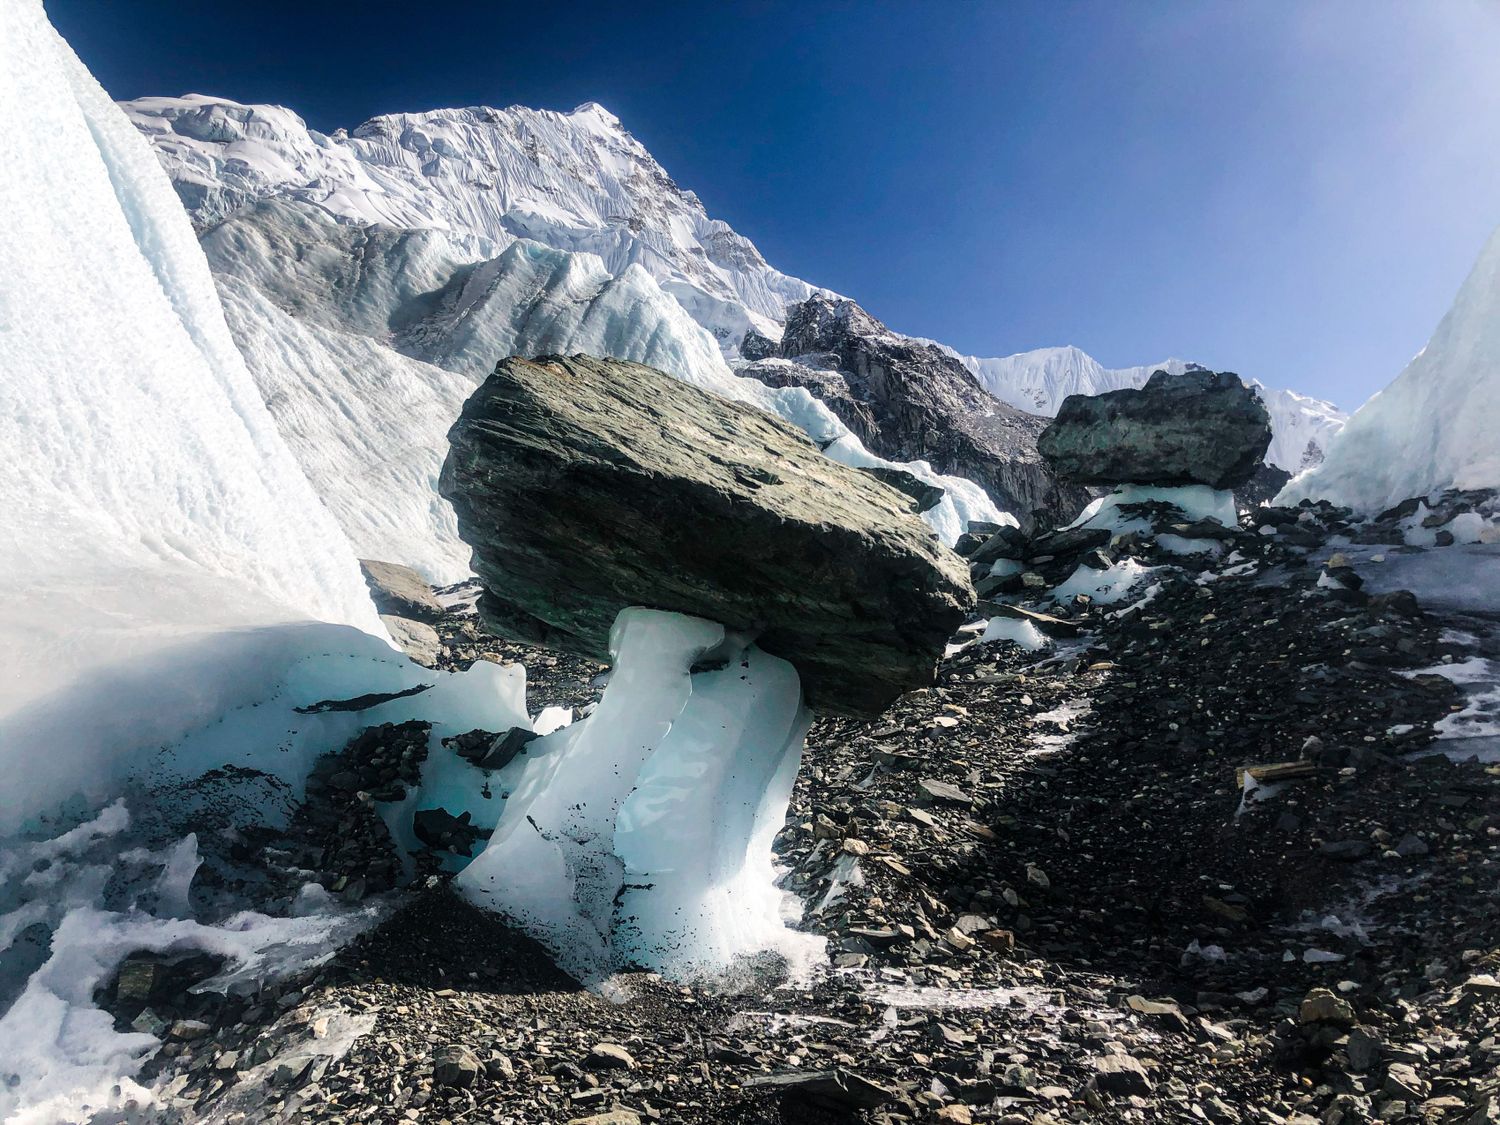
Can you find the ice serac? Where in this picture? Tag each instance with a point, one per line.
(642, 835)
(1436, 425)
(589, 486)
(1200, 427)
(151, 508)
(910, 400)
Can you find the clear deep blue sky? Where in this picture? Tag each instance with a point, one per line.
(1291, 191)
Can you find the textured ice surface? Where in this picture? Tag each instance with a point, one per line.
(1435, 426)
(1023, 633)
(60, 1057)
(105, 895)
(642, 834)
(159, 540)
(1194, 501)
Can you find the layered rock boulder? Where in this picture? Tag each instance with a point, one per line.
(1201, 427)
(586, 486)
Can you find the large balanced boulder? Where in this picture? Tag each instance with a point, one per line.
(1200, 427)
(586, 486)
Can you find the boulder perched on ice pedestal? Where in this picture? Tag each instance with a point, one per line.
(1200, 427)
(587, 486)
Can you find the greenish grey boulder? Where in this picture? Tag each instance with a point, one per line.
(1200, 427)
(586, 486)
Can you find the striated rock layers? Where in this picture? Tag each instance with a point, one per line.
(1201, 427)
(910, 400)
(586, 486)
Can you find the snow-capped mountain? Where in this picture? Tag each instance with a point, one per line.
(373, 281)
(573, 181)
(405, 233)
(1436, 425)
(1039, 380)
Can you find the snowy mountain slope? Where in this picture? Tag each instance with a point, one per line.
(575, 181)
(150, 502)
(1436, 425)
(1039, 380)
(365, 341)
(461, 186)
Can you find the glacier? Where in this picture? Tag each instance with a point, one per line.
(151, 503)
(1435, 425)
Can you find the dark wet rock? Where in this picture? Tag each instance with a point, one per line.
(455, 1065)
(1121, 1075)
(490, 751)
(1263, 485)
(587, 486)
(400, 591)
(908, 400)
(837, 1089)
(756, 346)
(440, 829)
(1201, 427)
(360, 702)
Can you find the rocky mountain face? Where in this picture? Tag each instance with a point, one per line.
(912, 400)
(574, 181)
(588, 486)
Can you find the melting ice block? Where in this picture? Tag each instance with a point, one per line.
(642, 835)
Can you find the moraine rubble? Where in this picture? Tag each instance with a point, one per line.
(1050, 893)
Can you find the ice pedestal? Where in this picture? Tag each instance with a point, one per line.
(641, 836)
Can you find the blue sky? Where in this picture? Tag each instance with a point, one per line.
(1291, 191)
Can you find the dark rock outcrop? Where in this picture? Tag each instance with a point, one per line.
(908, 400)
(1262, 487)
(1201, 427)
(586, 486)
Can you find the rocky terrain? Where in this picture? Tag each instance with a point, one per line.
(909, 400)
(1184, 855)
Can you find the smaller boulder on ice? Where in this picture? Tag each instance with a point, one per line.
(1202, 427)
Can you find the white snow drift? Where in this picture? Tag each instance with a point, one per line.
(1438, 424)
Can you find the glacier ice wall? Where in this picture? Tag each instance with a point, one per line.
(642, 835)
(150, 501)
(1438, 424)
